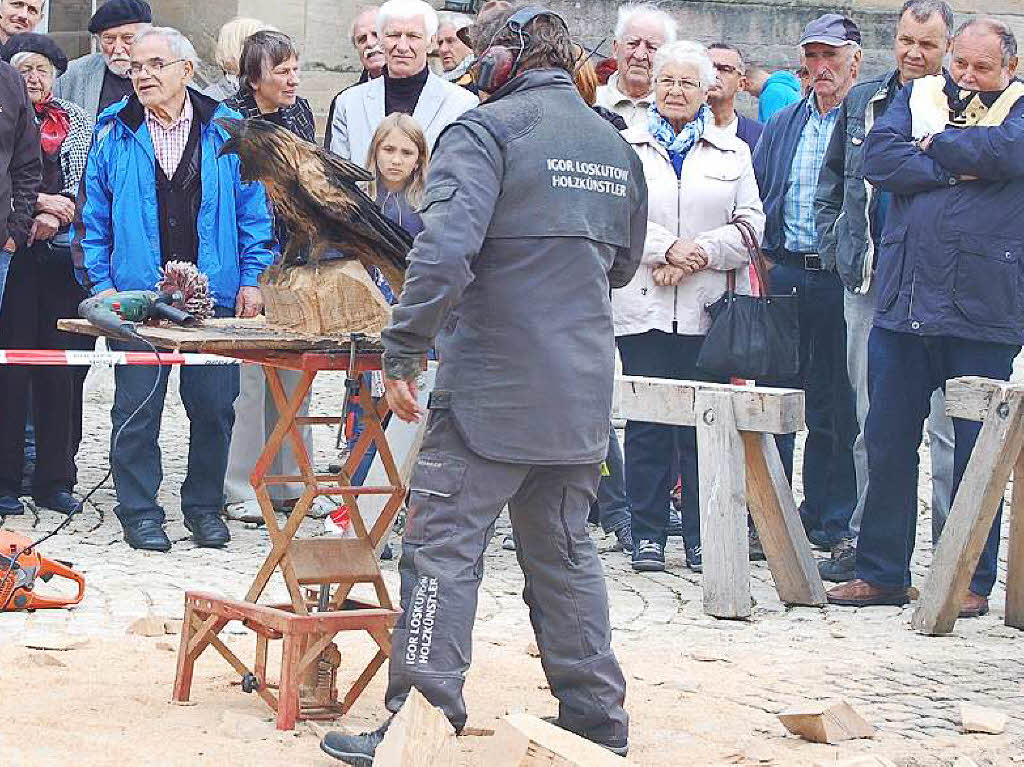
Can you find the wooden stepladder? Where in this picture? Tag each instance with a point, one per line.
(1000, 408)
(319, 573)
(739, 469)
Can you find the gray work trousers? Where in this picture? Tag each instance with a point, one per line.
(455, 498)
(860, 313)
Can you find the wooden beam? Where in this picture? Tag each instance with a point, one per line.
(970, 397)
(723, 507)
(420, 735)
(1015, 555)
(770, 500)
(521, 740)
(974, 509)
(661, 400)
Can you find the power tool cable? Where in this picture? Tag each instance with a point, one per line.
(14, 557)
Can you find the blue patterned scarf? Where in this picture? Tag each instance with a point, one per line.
(678, 145)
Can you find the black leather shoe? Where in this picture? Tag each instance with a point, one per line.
(11, 506)
(208, 530)
(60, 500)
(354, 749)
(618, 746)
(146, 534)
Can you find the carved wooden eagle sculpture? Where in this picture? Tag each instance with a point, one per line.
(316, 195)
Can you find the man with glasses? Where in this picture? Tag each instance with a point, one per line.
(153, 161)
(640, 30)
(96, 81)
(787, 163)
(731, 73)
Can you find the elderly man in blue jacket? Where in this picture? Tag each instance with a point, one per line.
(950, 149)
(156, 190)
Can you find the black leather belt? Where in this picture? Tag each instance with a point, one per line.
(809, 261)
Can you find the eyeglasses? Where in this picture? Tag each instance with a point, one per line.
(152, 67)
(727, 69)
(668, 83)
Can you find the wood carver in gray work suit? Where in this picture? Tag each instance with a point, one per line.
(526, 229)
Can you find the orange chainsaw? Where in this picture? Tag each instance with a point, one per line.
(19, 572)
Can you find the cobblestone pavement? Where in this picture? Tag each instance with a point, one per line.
(908, 685)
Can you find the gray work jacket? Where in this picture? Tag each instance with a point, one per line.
(534, 208)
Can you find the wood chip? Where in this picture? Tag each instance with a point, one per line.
(828, 722)
(148, 626)
(55, 642)
(980, 719)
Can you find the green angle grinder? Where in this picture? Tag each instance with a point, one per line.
(182, 296)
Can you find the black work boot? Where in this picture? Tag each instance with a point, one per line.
(618, 746)
(354, 749)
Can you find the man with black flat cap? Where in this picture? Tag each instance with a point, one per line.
(96, 81)
(526, 230)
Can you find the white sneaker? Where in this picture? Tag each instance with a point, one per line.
(245, 511)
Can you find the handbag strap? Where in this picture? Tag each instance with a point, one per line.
(757, 259)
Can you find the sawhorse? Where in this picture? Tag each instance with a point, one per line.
(740, 469)
(997, 453)
(308, 624)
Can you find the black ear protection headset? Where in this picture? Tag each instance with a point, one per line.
(499, 63)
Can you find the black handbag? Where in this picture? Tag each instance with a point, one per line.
(752, 337)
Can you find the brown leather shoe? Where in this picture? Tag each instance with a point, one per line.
(974, 606)
(860, 593)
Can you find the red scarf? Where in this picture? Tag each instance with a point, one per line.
(54, 125)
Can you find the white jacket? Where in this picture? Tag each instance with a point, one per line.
(717, 186)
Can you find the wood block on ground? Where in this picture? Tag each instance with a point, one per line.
(148, 626)
(522, 740)
(981, 719)
(828, 722)
(419, 736)
(332, 297)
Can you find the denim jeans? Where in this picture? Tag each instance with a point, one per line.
(208, 394)
(830, 480)
(655, 453)
(860, 317)
(903, 371)
(612, 503)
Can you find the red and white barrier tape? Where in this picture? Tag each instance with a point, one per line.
(77, 358)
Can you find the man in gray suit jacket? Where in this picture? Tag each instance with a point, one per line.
(406, 27)
(96, 81)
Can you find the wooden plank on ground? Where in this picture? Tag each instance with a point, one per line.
(828, 722)
(771, 504)
(970, 519)
(1015, 555)
(723, 507)
(969, 397)
(219, 335)
(668, 401)
(420, 735)
(521, 740)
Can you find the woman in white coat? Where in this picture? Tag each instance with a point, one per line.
(699, 180)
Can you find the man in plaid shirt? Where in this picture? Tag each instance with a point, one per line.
(156, 190)
(787, 162)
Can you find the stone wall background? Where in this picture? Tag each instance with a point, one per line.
(766, 30)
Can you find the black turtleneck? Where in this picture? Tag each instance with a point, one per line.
(402, 93)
